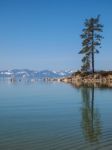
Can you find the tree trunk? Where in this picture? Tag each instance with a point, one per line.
(92, 51)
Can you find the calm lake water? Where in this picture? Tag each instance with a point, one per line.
(54, 116)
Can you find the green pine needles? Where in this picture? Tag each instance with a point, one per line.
(91, 41)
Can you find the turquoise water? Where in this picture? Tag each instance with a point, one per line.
(54, 116)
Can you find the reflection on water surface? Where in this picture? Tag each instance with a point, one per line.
(54, 116)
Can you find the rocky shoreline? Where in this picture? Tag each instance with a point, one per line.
(98, 79)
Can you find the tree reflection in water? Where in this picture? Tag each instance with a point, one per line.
(90, 115)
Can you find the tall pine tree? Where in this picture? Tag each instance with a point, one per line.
(91, 41)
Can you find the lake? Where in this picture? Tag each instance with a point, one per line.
(54, 116)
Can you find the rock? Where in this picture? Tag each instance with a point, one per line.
(103, 78)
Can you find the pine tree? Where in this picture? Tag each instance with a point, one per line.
(91, 40)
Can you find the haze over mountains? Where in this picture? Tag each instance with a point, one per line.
(26, 73)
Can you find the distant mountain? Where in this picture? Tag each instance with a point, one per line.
(26, 73)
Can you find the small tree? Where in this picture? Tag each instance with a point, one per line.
(91, 40)
(86, 63)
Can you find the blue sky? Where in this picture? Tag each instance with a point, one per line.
(45, 34)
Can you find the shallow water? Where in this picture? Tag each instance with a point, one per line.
(54, 116)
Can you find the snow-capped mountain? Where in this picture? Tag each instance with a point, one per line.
(26, 73)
